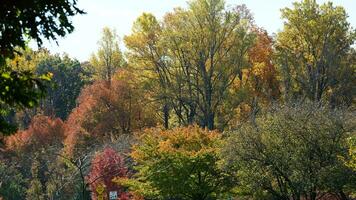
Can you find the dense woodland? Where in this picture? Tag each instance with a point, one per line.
(203, 104)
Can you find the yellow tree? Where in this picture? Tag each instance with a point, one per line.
(312, 49)
(108, 58)
(145, 56)
(259, 86)
(197, 53)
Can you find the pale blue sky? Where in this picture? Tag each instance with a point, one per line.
(120, 14)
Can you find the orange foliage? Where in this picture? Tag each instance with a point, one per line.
(107, 110)
(43, 131)
(262, 77)
(260, 81)
(188, 141)
(188, 157)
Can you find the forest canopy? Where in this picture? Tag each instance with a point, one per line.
(200, 104)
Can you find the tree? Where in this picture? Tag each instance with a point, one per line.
(352, 152)
(259, 86)
(182, 163)
(293, 153)
(106, 166)
(20, 116)
(65, 180)
(40, 156)
(68, 78)
(34, 151)
(109, 58)
(145, 56)
(35, 190)
(20, 90)
(12, 182)
(107, 113)
(311, 50)
(196, 55)
(43, 131)
(34, 19)
(37, 20)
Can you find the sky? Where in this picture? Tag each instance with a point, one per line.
(120, 15)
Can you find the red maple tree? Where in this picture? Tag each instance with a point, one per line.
(107, 165)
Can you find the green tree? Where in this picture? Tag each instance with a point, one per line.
(33, 19)
(312, 50)
(68, 78)
(36, 20)
(35, 190)
(182, 163)
(109, 58)
(12, 183)
(293, 153)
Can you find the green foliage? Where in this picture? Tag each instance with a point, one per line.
(68, 78)
(35, 19)
(313, 52)
(21, 89)
(12, 183)
(108, 58)
(351, 160)
(182, 163)
(35, 189)
(293, 152)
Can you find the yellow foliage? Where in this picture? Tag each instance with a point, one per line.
(190, 141)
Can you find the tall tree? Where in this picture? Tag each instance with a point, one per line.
(259, 86)
(196, 58)
(312, 47)
(108, 57)
(220, 40)
(145, 55)
(68, 78)
(107, 113)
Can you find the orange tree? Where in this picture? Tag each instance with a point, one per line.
(182, 163)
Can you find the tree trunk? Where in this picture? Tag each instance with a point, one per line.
(210, 121)
(166, 116)
(342, 195)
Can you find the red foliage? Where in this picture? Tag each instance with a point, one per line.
(43, 131)
(105, 167)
